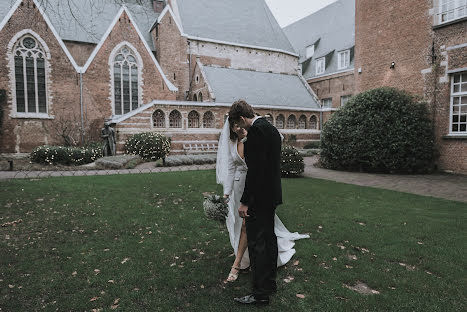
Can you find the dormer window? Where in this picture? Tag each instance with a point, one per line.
(320, 65)
(343, 59)
(310, 50)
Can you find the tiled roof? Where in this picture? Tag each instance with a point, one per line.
(248, 22)
(259, 88)
(331, 29)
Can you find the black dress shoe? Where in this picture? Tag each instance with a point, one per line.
(251, 299)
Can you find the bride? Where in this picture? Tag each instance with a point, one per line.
(231, 172)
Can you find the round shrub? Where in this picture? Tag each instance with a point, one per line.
(148, 145)
(65, 155)
(291, 162)
(381, 130)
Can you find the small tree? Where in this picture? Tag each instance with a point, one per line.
(381, 130)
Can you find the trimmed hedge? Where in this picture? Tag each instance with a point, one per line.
(291, 162)
(148, 145)
(314, 144)
(65, 155)
(382, 130)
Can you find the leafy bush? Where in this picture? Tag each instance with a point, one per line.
(291, 162)
(65, 155)
(381, 130)
(314, 144)
(184, 160)
(148, 145)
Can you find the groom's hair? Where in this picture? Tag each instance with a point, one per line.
(239, 109)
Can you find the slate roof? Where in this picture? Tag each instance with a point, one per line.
(87, 20)
(248, 22)
(259, 88)
(332, 29)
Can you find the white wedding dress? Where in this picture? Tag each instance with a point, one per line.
(231, 172)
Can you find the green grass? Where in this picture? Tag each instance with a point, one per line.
(73, 226)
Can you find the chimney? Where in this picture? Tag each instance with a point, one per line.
(158, 5)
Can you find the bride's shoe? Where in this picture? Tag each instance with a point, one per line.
(232, 276)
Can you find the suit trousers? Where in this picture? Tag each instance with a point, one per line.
(262, 248)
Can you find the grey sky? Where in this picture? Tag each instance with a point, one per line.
(289, 11)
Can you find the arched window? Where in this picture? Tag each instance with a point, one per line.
(193, 119)
(200, 97)
(280, 120)
(195, 98)
(158, 119)
(30, 80)
(302, 122)
(313, 122)
(269, 118)
(126, 84)
(208, 120)
(291, 122)
(175, 119)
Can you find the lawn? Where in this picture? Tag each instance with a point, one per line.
(142, 243)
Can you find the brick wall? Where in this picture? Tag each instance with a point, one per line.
(397, 31)
(334, 86)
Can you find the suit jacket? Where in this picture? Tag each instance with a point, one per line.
(262, 156)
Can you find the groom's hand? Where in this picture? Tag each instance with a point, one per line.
(243, 211)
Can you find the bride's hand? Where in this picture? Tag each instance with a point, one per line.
(226, 198)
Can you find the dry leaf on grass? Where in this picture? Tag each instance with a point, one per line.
(94, 299)
(301, 296)
(125, 260)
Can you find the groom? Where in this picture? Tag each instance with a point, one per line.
(262, 194)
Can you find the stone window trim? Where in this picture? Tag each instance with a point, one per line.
(280, 121)
(448, 12)
(292, 122)
(313, 122)
(11, 48)
(140, 66)
(193, 119)
(302, 122)
(175, 119)
(208, 120)
(458, 105)
(343, 59)
(320, 65)
(158, 119)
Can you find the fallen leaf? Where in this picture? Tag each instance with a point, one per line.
(296, 262)
(110, 281)
(74, 273)
(94, 299)
(334, 259)
(11, 286)
(125, 260)
(97, 271)
(301, 296)
(116, 301)
(202, 286)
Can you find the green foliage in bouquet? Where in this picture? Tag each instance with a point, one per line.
(381, 130)
(65, 155)
(215, 208)
(148, 145)
(292, 164)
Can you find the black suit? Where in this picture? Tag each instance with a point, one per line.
(262, 194)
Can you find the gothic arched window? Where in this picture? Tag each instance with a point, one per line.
(175, 119)
(193, 119)
(208, 120)
(302, 122)
(292, 122)
(269, 118)
(158, 119)
(126, 82)
(200, 97)
(313, 122)
(280, 120)
(30, 78)
(195, 98)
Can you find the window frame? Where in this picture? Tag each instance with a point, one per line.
(451, 9)
(326, 99)
(320, 65)
(40, 48)
(345, 55)
(459, 95)
(193, 120)
(346, 97)
(175, 123)
(212, 120)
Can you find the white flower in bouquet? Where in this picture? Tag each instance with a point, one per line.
(215, 208)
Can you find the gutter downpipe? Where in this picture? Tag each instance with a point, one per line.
(81, 105)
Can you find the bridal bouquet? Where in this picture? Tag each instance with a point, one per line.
(215, 208)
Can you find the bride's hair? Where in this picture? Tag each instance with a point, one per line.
(239, 109)
(232, 135)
